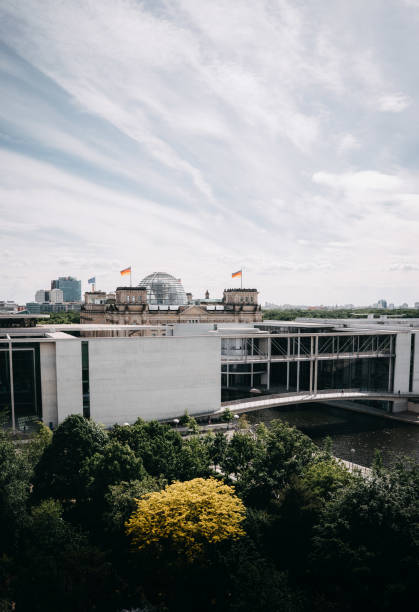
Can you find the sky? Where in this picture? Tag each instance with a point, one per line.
(200, 137)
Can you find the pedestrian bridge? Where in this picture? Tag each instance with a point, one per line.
(283, 399)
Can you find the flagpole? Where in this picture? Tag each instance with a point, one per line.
(130, 277)
(241, 280)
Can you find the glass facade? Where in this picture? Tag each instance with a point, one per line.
(26, 387)
(71, 288)
(164, 289)
(370, 374)
(85, 378)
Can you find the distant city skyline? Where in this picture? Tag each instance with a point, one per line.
(85, 286)
(198, 138)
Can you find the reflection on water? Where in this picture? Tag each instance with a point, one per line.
(355, 436)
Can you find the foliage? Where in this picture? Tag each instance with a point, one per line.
(187, 515)
(58, 471)
(368, 538)
(114, 463)
(217, 447)
(15, 475)
(312, 536)
(193, 460)
(243, 422)
(227, 416)
(121, 500)
(280, 453)
(287, 532)
(184, 419)
(340, 313)
(38, 443)
(239, 453)
(58, 318)
(158, 445)
(58, 566)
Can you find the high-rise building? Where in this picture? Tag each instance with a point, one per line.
(70, 286)
(56, 296)
(41, 296)
(382, 303)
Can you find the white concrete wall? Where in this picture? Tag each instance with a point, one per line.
(197, 329)
(401, 369)
(69, 385)
(415, 385)
(153, 378)
(48, 383)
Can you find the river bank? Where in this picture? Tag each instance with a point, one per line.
(355, 435)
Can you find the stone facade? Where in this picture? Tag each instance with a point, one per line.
(131, 308)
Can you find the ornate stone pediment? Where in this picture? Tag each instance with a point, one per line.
(193, 311)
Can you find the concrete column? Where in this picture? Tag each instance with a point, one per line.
(251, 375)
(228, 375)
(400, 405)
(415, 381)
(311, 365)
(288, 363)
(11, 383)
(69, 380)
(391, 366)
(316, 362)
(48, 383)
(402, 363)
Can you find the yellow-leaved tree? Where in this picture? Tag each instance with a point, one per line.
(187, 515)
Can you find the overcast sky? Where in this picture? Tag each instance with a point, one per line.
(196, 137)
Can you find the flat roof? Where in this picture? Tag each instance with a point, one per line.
(16, 315)
(295, 323)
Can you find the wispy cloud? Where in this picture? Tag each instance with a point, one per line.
(395, 103)
(199, 136)
(404, 267)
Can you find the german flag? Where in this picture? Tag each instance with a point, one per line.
(235, 274)
(126, 271)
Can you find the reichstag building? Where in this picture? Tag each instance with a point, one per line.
(160, 299)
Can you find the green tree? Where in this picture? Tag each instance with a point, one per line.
(240, 452)
(193, 426)
(58, 472)
(120, 501)
(15, 482)
(184, 419)
(287, 535)
(116, 462)
(217, 447)
(62, 318)
(158, 445)
(367, 538)
(57, 569)
(281, 453)
(227, 416)
(193, 460)
(38, 443)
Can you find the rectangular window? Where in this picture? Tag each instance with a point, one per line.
(412, 361)
(85, 378)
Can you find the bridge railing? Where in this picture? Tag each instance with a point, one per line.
(320, 392)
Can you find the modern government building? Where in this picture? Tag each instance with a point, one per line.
(138, 356)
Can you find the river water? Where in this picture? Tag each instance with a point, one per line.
(355, 436)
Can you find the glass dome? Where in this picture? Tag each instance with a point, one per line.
(165, 289)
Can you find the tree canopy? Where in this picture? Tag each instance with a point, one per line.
(187, 515)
